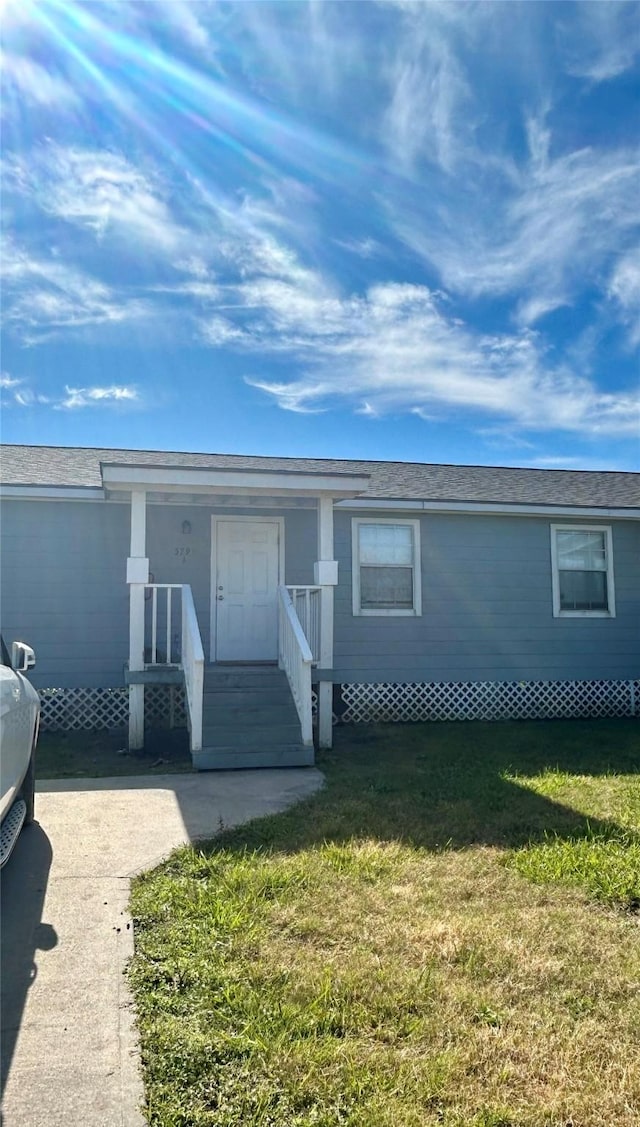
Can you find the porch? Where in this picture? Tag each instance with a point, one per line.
(231, 579)
(239, 714)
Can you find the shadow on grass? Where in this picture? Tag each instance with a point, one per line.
(104, 754)
(450, 785)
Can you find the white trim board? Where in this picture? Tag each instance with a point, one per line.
(489, 507)
(208, 499)
(168, 479)
(379, 505)
(53, 493)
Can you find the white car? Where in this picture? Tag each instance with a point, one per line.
(19, 722)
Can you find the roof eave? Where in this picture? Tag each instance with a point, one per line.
(244, 482)
(495, 508)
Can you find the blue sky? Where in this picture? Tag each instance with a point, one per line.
(384, 230)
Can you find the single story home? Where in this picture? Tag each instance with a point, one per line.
(259, 593)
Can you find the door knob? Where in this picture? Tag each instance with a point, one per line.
(220, 598)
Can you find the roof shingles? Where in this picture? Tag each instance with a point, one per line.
(80, 467)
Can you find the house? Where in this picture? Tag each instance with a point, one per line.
(263, 590)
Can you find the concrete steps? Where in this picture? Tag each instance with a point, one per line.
(249, 720)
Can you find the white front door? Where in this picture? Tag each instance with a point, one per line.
(245, 585)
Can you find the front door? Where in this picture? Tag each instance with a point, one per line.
(245, 585)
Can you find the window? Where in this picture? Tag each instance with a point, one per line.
(582, 562)
(386, 567)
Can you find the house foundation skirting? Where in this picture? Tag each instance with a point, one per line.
(486, 700)
(83, 708)
(71, 709)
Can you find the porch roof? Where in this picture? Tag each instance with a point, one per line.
(243, 481)
(81, 468)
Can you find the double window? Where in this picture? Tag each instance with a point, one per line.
(386, 567)
(582, 562)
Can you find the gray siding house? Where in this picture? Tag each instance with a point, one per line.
(261, 595)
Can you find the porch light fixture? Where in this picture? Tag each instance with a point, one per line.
(186, 528)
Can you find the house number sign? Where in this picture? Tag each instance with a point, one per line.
(183, 553)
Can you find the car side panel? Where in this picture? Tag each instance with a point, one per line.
(18, 715)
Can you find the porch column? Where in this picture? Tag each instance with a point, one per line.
(326, 576)
(137, 576)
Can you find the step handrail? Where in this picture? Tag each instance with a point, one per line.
(306, 599)
(295, 657)
(192, 666)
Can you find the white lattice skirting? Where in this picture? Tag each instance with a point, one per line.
(73, 709)
(488, 700)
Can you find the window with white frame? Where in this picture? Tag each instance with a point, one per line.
(386, 567)
(582, 562)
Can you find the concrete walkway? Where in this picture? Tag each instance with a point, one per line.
(69, 1052)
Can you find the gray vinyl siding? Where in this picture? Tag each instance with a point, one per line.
(486, 595)
(487, 609)
(63, 568)
(62, 574)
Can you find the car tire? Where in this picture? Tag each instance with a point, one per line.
(29, 789)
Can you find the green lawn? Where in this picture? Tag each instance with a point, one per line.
(98, 754)
(447, 934)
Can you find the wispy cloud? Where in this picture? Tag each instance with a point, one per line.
(203, 291)
(247, 236)
(17, 393)
(99, 190)
(183, 17)
(398, 349)
(602, 41)
(38, 84)
(429, 113)
(21, 393)
(362, 248)
(117, 395)
(580, 461)
(542, 237)
(219, 332)
(43, 295)
(312, 55)
(195, 266)
(7, 381)
(557, 461)
(502, 200)
(624, 287)
(25, 397)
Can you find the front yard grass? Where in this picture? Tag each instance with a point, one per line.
(447, 934)
(104, 754)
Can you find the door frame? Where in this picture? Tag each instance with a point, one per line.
(227, 518)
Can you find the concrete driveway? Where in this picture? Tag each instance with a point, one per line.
(69, 1051)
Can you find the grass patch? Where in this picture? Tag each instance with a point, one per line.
(97, 754)
(415, 945)
(602, 858)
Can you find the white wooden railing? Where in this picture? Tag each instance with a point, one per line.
(160, 606)
(306, 603)
(193, 667)
(295, 657)
(182, 645)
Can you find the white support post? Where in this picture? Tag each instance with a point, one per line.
(137, 576)
(325, 657)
